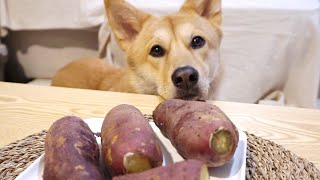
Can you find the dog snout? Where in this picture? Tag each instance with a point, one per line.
(185, 77)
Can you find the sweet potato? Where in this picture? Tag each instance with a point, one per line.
(189, 169)
(128, 142)
(198, 130)
(71, 151)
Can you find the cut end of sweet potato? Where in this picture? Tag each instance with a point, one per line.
(136, 163)
(204, 174)
(221, 141)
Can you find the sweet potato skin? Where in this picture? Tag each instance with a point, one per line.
(125, 132)
(197, 130)
(189, 169)
(71, 151)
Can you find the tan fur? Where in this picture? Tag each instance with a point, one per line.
(136, 32)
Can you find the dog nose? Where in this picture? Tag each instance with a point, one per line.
(185, 77)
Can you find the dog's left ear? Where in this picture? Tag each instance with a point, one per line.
(210, 9)
(125, 20)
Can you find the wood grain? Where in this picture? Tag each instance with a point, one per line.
(28, 109)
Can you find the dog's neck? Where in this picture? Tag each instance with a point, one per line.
(125, 80)
(140, 84)
(116, 79)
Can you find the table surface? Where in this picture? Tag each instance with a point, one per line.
(28, 109)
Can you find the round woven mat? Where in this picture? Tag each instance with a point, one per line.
(265, 159)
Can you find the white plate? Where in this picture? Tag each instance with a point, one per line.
(235, 169)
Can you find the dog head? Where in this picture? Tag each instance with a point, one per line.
(175, 56)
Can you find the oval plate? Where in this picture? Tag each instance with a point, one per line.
(233, 170)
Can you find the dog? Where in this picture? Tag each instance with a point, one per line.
(175, 56)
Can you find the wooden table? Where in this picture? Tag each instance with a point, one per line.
(28, 109)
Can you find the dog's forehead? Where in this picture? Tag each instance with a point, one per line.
(163, 33)
(184, 29)
(167, 27)
(179, 28)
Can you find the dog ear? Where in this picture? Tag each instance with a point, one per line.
(210, 9)
(124, 20)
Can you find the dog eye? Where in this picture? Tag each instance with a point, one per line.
(157, 51)
(197, 42)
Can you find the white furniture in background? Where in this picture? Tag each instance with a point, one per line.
(45, 34)
(269, 46)
(3, 59)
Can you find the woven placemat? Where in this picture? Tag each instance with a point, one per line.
(265, 159)
(17, 156)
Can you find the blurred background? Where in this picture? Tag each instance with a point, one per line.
(270, 50)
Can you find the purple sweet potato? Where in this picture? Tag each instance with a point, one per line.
(71, 151)
(198, 130)
(189, 169)
(128, 142)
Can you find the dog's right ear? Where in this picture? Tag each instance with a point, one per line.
(209, 9)
(125, 21)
